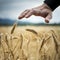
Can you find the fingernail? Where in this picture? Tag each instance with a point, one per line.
(47, 21)
(19, 17)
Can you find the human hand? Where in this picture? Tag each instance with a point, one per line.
(43, 11)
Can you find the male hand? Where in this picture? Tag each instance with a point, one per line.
(43, 11)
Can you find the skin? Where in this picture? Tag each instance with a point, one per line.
(44, 11)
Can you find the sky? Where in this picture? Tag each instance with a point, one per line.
(12, 9)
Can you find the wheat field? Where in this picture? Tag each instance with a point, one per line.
(30, 42)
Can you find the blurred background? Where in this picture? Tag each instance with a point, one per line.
(11, 9)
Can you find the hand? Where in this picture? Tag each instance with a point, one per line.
(43, 11)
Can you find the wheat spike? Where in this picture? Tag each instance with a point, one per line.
(14, 26)
(33, 31)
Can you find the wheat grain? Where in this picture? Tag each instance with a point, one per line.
(14, 26)
(33, 31)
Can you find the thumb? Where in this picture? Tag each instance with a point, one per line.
(48, 18)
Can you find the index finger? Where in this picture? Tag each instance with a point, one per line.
(22, 15)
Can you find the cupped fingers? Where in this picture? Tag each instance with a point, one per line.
(29, 14)
(22, 15)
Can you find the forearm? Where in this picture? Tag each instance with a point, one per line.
(53, 4)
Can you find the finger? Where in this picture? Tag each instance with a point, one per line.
(48, 18)
(29, 14)
(23, 14)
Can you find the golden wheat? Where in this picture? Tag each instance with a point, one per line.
(33, 31)
(24, 47)
(14, 26)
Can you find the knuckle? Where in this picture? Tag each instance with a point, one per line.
(27, 10)
(31, 10)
